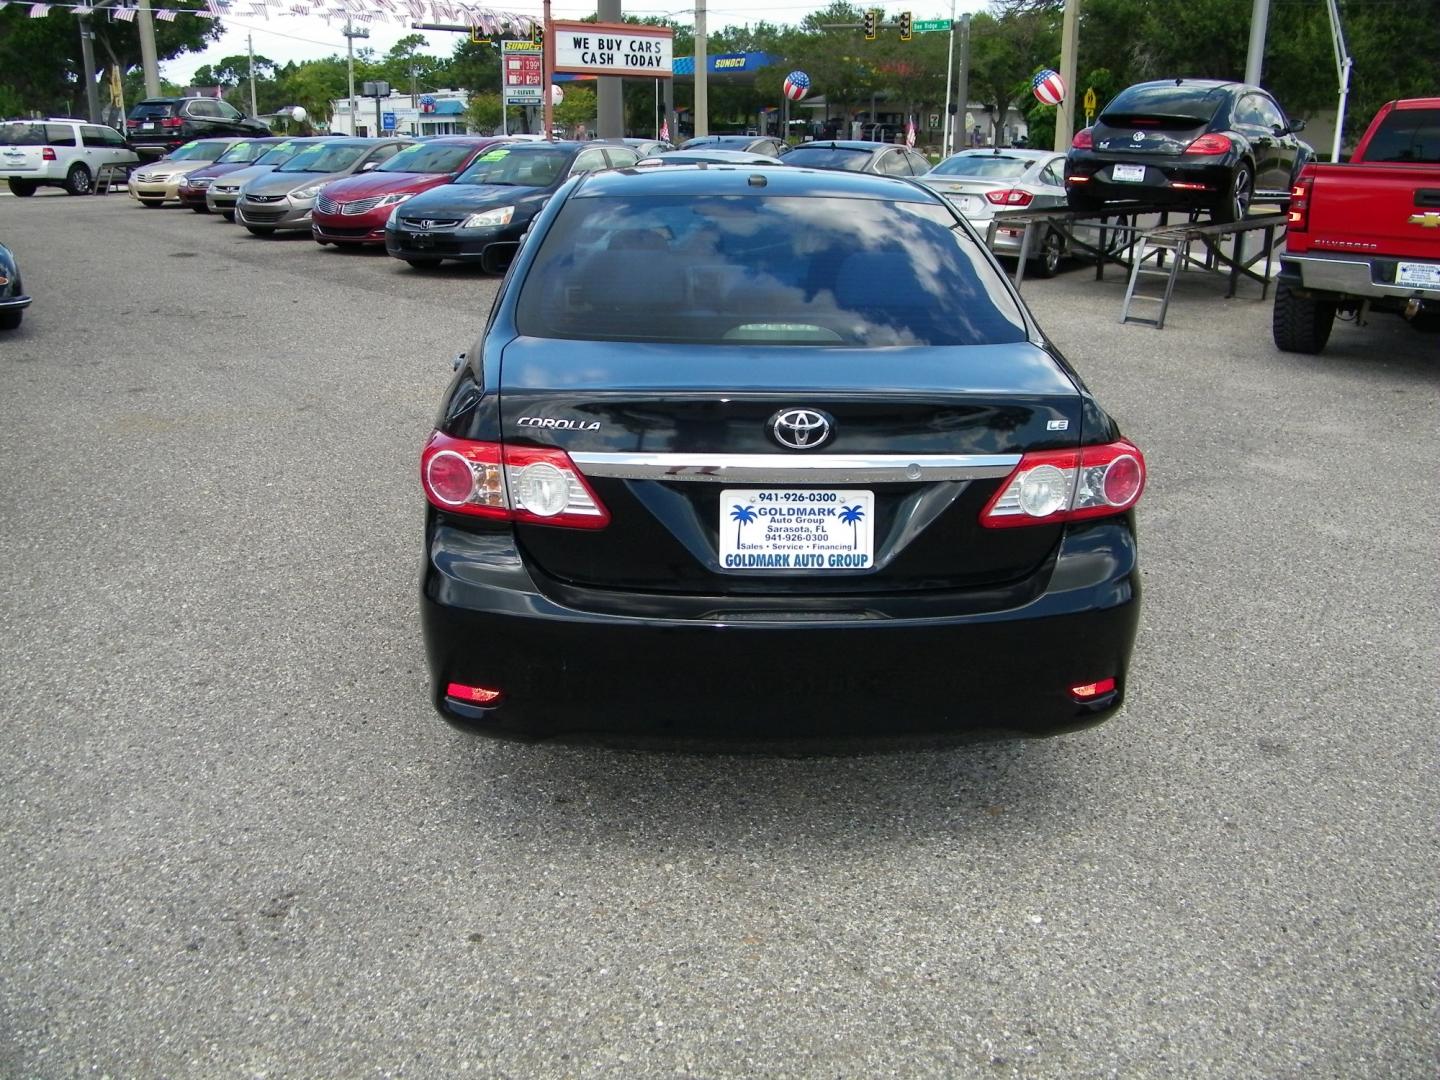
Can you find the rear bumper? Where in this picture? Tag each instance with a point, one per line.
(49, 173)
(1094, 178)
(564, 671)
(14, 303)
(1351, 275)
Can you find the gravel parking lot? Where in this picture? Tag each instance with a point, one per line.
(237, 841)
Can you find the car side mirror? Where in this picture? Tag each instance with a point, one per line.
(458, 361)
(1297, 125)
(368, 166)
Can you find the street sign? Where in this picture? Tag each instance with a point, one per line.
(934, 120)
(521, 72)
(613, 49)
(930, 26)
(1090, 104)
(387, 121)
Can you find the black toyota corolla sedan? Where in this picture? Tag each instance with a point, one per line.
(771, 452)
(1189, 143)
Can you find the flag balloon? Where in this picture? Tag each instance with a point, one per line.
(1048, 87)
(797, 85)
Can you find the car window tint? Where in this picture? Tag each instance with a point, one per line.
(1407, 135)
(206, 149)
(588, 161)
(1053, 173)
(892, 163)
(60, 135)
(993, 166)
(21, 134)
(228, 111)
(385, 153)
(242, 153)
(202, 107)
(280, 153)
(516, 166)
(776, 270)
(1270, 115)
(151, 110)
(1166, 99)
(828, 157)
(620, 158)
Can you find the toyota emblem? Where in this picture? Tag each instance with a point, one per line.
(801, 429)
(1139, 136)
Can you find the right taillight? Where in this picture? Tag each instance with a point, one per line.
(48, 154)
(538, 485)
(1083, 140)
(171, 122)
(1010, 197)
(1210, 145)
(1052, 486)
(1297, 219)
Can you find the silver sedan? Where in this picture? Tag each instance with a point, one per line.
(980, 182)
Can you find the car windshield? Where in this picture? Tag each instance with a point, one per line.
(1406, 136)
(242, 153)
(23, 135)
(428, 158)
(991, 166)
(150, 110)
(1197, 103)
(326, 158)
(780, 270)
(204, 150)
(828, 157)
(280, 153)
(518, 167)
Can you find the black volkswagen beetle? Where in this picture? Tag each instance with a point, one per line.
(1196, 143)
(13, 300)
(482, 215)
(770, 452)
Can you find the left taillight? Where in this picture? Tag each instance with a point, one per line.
(1052, 486)
(537, 485)
(48, 154)
(1010, 197)
(1210, 145)
(1297, 218)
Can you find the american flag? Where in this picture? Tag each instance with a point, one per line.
(910, 132)
(39, 11)
(215, 7)
(125, 14)
(665, 130)
(165, 15)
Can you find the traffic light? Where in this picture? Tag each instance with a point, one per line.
(872, 20)
(905, 31)
(478, 36)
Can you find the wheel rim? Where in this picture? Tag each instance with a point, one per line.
(82, 180)
(1242, 193)
(1052, 253)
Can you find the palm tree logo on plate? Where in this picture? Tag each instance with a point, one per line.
(851, 515)
(742, 515)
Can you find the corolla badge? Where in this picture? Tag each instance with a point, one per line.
(801, 429)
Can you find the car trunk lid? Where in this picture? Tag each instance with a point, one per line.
(1147, 133)
(704, 499)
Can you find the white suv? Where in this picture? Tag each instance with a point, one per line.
(58, 152)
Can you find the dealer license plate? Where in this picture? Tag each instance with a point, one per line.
(1418, 275)
(968, 204)
(777, 529)
(422, 239)
(1128, 174)
(147, 127)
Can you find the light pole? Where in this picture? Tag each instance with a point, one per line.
(949, 67)
(350, 35)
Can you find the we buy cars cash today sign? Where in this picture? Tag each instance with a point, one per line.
(612, 49)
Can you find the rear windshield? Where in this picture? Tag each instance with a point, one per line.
(19, 134)
(149, 110)
(764, 270)
(828, 157)
(1407, 135)
(242, 153)
(521, 168)
(428, 158)
(988, 165)
(325, 159)
(280, 153)
(1198, 103)
(206, 149)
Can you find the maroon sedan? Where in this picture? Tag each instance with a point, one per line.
(242, 155)
(354, 210)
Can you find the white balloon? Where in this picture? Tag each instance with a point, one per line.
(556, 95)
(298, 114)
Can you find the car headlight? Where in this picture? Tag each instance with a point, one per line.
(499, 216)
(306, 192)
(399, 197)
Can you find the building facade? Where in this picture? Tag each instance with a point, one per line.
(433, 112)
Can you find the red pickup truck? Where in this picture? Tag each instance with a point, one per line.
(1365, 236)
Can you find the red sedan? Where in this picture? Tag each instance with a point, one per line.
(354, 210)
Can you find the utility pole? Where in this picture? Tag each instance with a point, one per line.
(702, 74)
(1069, 44)
(962, 93)
(146, 25)
(250, 48)
(87, 54)
(948, 122)
(350, 35)
(610, 91)
(547, 72)
(1255, 57)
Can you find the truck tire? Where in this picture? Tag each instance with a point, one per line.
(1301, 324)
(22, 188)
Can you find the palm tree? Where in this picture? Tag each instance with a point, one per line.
(851, 515)
(743, 515)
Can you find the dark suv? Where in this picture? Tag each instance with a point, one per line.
(157, 126)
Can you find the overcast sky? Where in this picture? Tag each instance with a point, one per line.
(285, 37)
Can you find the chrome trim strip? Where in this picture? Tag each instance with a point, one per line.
(793, 469)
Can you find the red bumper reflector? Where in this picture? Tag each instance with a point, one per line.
(477, 695)
(1092, 690)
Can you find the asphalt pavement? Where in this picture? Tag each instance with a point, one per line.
(237, 841)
